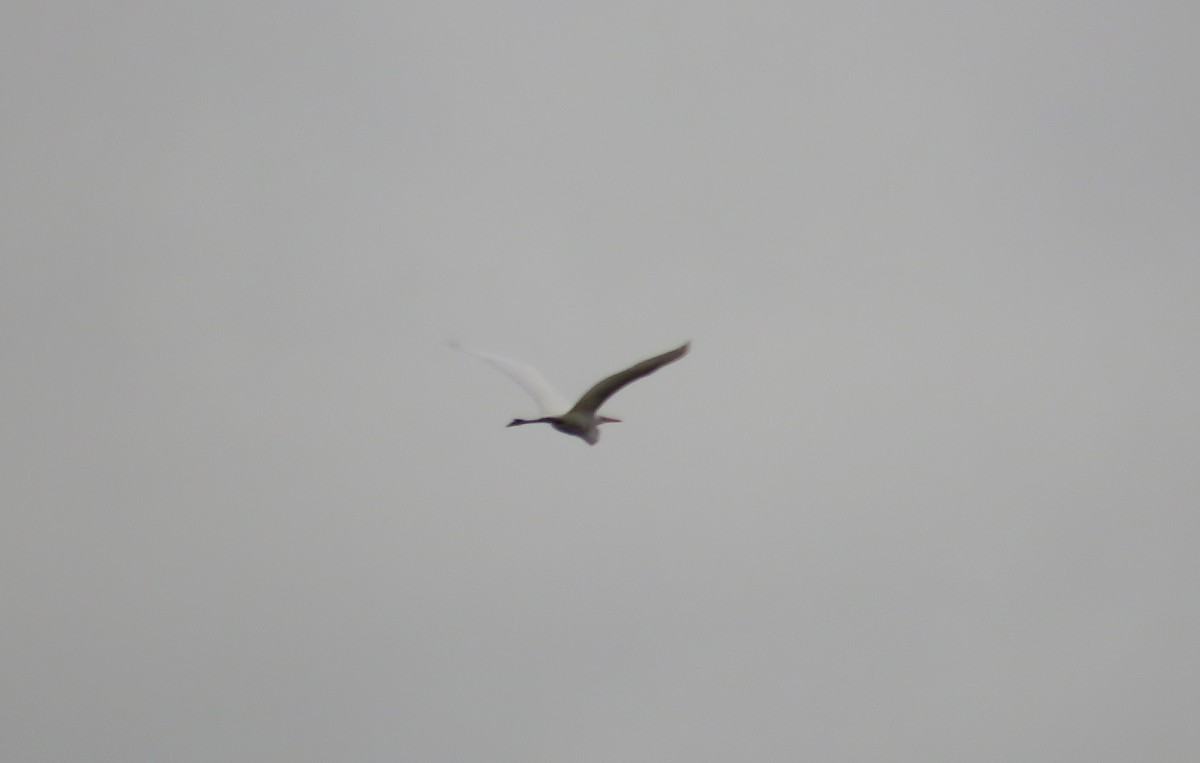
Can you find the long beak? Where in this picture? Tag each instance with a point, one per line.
(609, 420)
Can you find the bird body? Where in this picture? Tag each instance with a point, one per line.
(581, 419)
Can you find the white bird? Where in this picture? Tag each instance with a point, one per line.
(579, 419)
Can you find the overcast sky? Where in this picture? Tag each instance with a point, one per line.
(925, 489)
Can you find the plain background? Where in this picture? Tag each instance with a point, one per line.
(924, 490)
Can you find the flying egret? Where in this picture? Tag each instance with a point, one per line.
(579, 419)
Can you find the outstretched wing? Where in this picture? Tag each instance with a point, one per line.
(606, 388)
(548, 400)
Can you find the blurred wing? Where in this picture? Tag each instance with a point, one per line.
(548, 400)
(606, 388)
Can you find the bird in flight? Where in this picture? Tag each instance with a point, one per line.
(579, 420)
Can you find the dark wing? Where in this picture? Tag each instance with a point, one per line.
(606, 388)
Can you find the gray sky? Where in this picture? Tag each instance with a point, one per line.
(924, 490)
